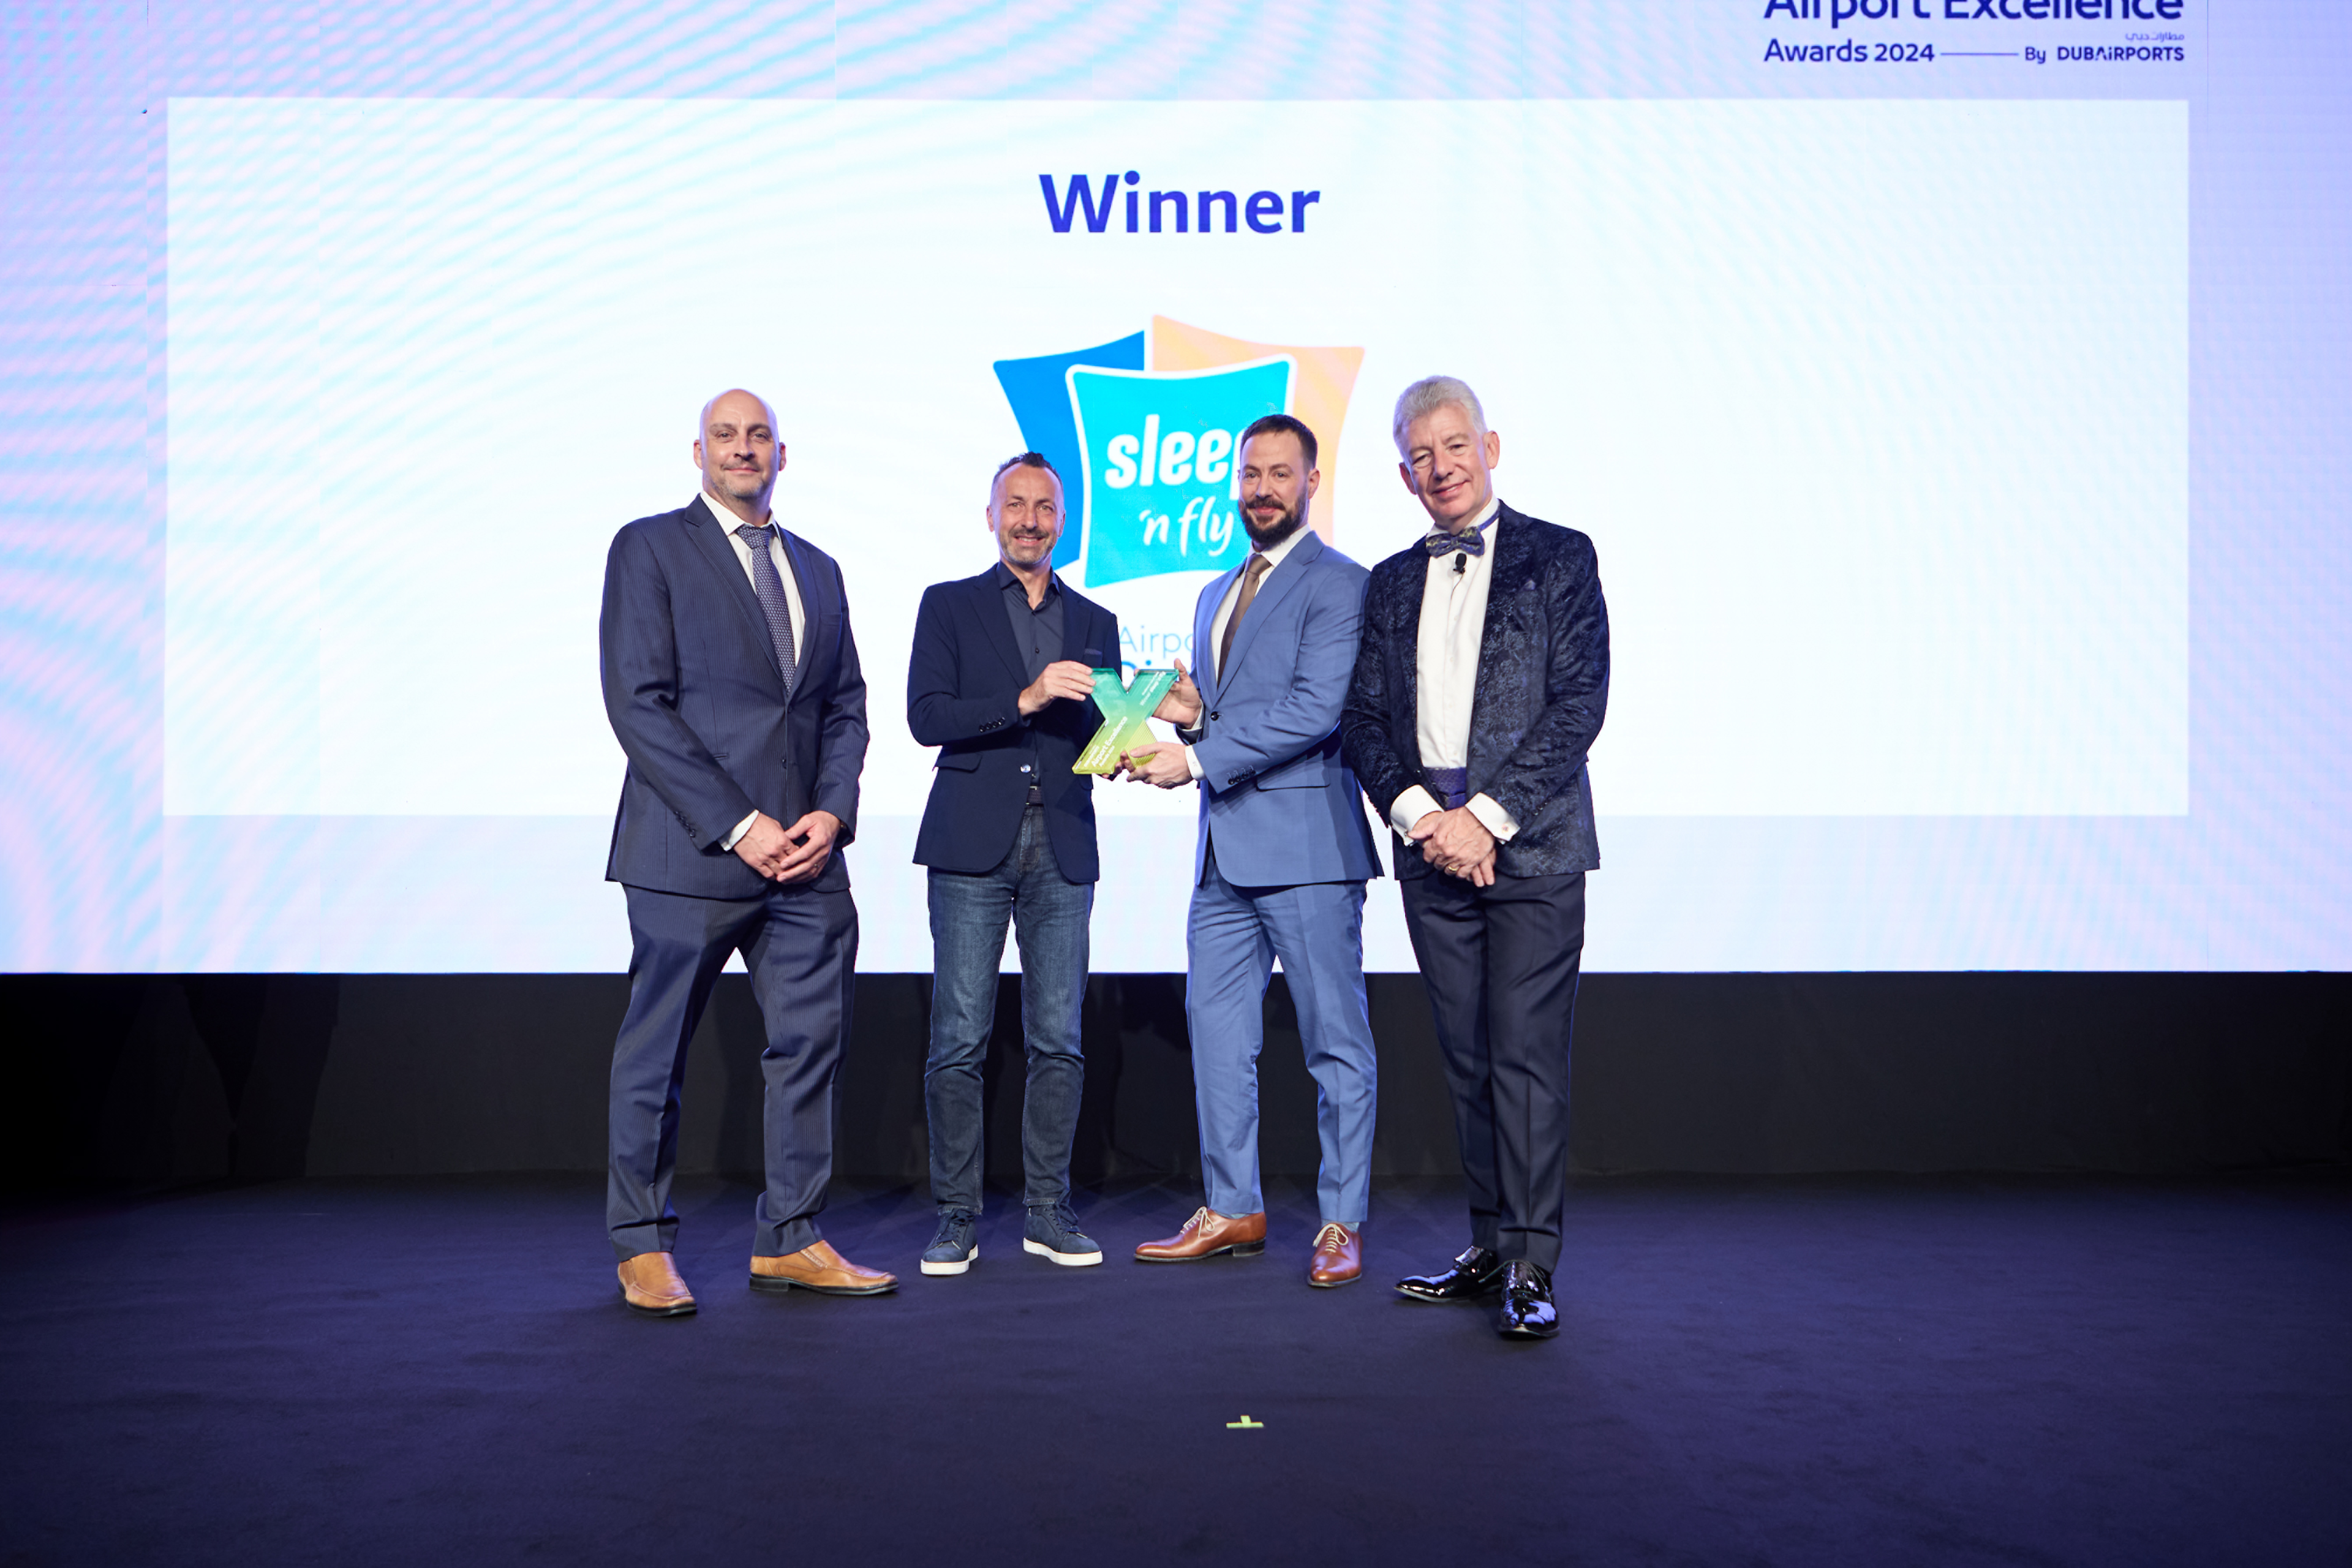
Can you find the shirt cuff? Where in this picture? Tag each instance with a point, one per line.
(1193, 761)
(741, 827)
(1409, 807)
(1493, 817)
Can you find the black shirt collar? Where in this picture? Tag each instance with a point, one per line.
(1006, 579)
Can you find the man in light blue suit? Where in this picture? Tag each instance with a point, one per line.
(1282, 857)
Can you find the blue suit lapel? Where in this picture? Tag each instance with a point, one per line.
(711, 529)
(1277, 585)
(1206, 675)
(816, 602)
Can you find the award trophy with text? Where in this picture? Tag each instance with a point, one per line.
(1125, 707)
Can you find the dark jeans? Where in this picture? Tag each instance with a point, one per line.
(969, 914)
(801, 947)
(1501, 965)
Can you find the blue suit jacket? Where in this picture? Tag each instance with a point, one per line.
(964, 681)
(1276, 794)
(1542, 691)
(695, 693)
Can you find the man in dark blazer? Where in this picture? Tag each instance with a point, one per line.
(1479, 686)
(731, 679)
(1002, 680)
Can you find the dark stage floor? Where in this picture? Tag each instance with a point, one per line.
(1804, 1372)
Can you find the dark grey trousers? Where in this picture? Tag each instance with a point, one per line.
(801, 947)
(1501, 965)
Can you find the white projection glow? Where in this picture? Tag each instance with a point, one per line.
(1877, 411)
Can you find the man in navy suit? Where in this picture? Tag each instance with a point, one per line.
(731, 679)
(1483, 678)
(1002, 680)
(1281, 860)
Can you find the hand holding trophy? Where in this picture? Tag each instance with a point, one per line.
(1159, 763)
(1181, 705)
(1064, 678)
(1127, 712)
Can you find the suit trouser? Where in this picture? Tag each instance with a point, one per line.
(801, 948)
(1318, 929)
(1501, 965)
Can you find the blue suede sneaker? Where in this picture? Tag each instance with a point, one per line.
(958, 1243)
(1053, 1234)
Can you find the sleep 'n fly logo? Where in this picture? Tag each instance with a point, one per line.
(1146, 450)
(1158, 457)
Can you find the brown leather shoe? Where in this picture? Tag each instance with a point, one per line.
(821, 1270)
(1206, 1234)
(650, 1284)
(1339, 1256)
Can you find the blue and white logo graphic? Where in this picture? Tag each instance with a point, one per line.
(1142, 430)
(1157, 452)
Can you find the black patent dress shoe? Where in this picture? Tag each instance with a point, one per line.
(1527, 1311)
(1473, 1274)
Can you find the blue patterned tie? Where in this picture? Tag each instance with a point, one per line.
(769, 584)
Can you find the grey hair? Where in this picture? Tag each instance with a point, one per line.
(1425, 397)
(702, 429)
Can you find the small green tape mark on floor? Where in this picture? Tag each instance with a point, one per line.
(1244, 1424)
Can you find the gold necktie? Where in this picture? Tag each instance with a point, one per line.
(1250, 576)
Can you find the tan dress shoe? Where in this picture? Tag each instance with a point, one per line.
(1206, 1234)
(650, 1284)
(1339, 1256)
(821, 1270)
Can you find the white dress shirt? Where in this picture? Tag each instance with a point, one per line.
(1274, 560)
(1445, 659)
(731, 523)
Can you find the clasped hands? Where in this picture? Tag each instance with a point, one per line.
(1457, 843)
(1160, 763)
(789, 855)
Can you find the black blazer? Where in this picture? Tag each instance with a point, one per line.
(964, 681)
(697, 698)
(1542, 691)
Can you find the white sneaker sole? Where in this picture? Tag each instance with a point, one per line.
(930, 1267)
(1066, 1260)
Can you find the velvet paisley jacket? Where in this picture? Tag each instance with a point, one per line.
(1542, 690)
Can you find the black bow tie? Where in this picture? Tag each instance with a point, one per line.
(1470, 541)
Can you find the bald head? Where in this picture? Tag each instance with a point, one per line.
(736, 450)
(753, 398)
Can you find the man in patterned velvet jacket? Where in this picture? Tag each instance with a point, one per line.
(1480, 683)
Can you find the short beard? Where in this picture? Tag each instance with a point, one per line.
(1288, 525)
(740, 484)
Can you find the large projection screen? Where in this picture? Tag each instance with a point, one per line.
(1887, 391)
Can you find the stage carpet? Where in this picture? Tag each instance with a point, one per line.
(1850, 1371)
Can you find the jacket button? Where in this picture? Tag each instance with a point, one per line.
(1213, 715)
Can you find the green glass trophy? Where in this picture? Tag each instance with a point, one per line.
(1124, 709)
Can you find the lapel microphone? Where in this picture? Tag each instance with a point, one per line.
(1461, 564)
